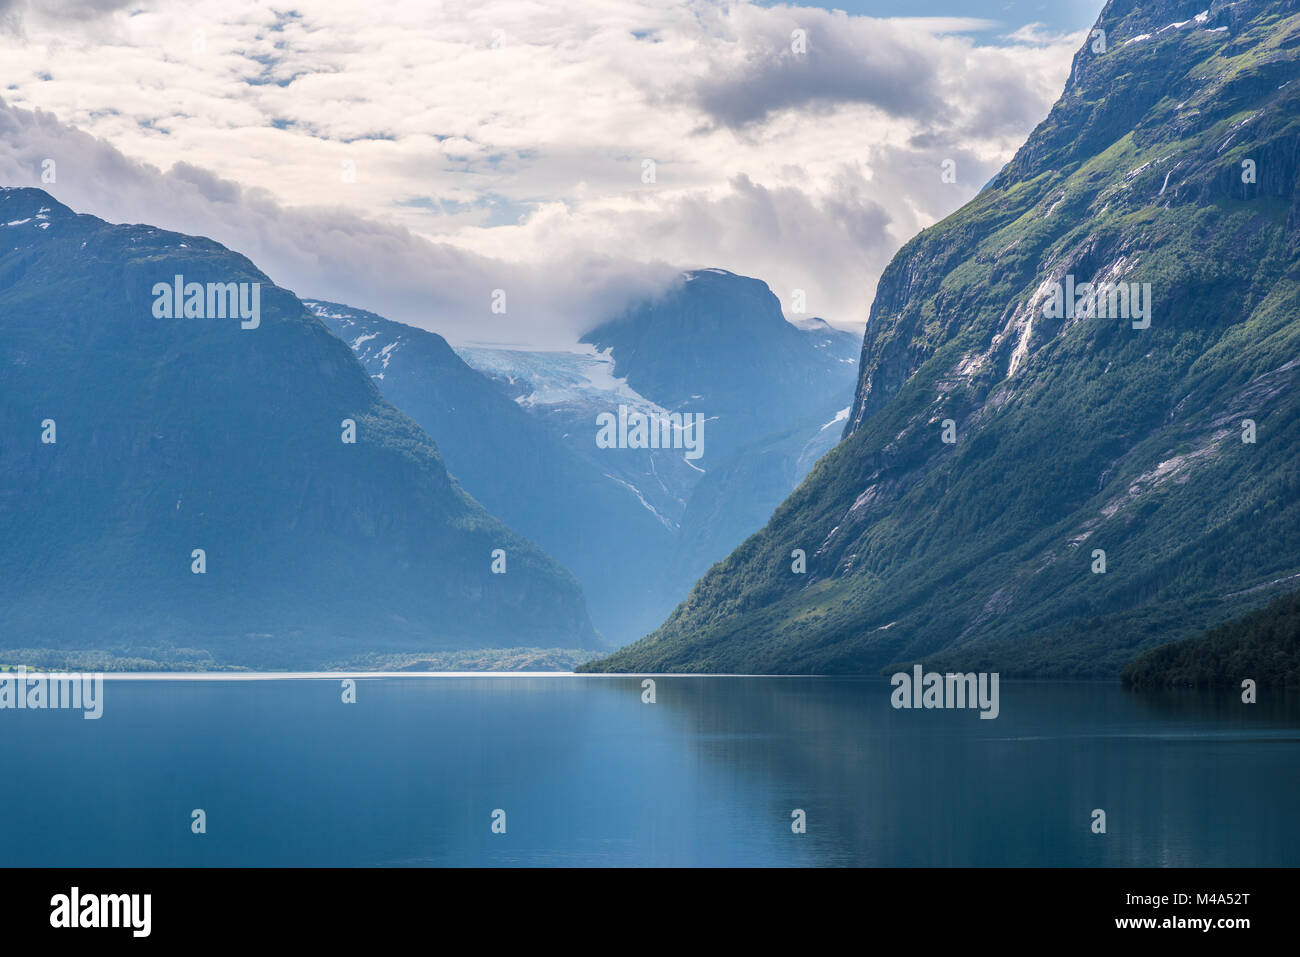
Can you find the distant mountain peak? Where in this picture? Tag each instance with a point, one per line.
(719, 343)
(812, 324)
(25, 206)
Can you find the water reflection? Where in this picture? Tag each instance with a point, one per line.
(589, 775)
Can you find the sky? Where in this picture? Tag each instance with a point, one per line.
(415, 158)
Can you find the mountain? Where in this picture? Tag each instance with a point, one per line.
(129, 440)
(738, 494)
(596, 525)
(565, 392)
(1118, 476)
(771, 393)
(518, 429)
(1264, 647)
(841, 345)
(718, 344)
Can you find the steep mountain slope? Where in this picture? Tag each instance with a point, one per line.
(225, 435)
(1172, 158)
(738, 494)
(594, 525)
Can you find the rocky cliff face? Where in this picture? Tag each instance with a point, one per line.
(129, 440)
(1043, 486)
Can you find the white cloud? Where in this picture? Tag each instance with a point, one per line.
(500, 144)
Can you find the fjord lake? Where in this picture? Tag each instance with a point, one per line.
(587, 773)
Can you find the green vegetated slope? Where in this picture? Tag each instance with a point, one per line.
(179, 434)
(1263, 646)
(1075, 434)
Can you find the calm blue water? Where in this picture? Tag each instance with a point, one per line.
(589, 775)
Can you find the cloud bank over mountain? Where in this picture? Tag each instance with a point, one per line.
(574, 159)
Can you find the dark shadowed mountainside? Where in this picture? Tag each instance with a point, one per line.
(172, 435)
